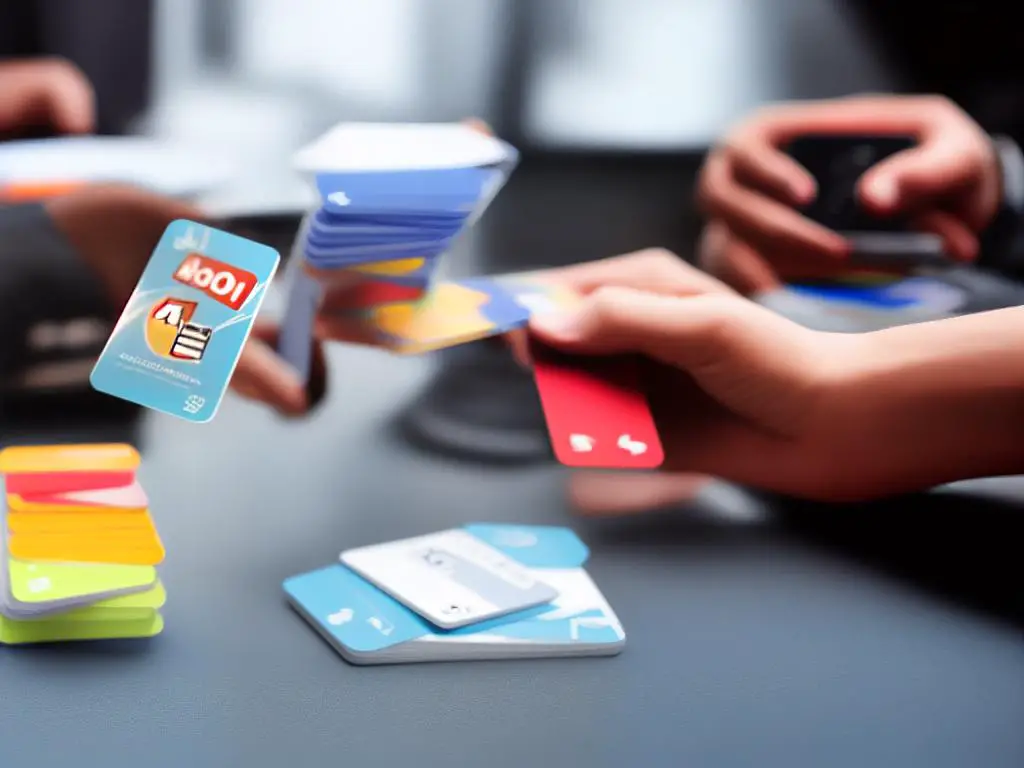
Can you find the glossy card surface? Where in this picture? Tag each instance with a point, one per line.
(178, 340)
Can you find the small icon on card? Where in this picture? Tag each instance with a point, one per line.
(339, 618)
(581, 443)
(631, 446)
(339, 198)
(189, 242)
(383, 626)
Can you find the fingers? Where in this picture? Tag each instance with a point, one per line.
(958, 240)
(734, 262)
(916, 177)
(263, 375)
(518, 343)
(768, 225)
(684, 332)
(478, 125)
(50, 92)
(654, 270)
(762, 166)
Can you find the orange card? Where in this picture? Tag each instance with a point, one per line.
(110, 457)
(113, 548)
(61, 523)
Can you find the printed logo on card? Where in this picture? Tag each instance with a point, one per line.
(222, 282)
(171, 334)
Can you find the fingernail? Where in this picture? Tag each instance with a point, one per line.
(560, 325)
(803, 190)
(883, 190)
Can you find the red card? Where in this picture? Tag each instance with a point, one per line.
(596, 411)
(34, 483)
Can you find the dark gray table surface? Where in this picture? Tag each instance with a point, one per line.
(747, 645)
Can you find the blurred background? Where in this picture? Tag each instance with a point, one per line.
(257, 78)
(611, 102)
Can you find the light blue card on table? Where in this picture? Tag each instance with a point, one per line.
(178, 340)
(367, 626)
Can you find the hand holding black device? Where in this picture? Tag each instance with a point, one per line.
(837, 162)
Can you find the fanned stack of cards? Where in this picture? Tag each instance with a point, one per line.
(79, 546)
(393, 198)
(479, 592)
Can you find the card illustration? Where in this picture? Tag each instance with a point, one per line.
(178, 340)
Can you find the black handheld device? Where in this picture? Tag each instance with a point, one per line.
(837, 163)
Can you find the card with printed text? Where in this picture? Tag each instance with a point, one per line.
(178, 340)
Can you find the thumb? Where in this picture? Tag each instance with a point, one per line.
(680, 331)
(915, 177)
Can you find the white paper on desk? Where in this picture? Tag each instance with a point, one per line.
(356, 147)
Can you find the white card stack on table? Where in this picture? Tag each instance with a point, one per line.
(479, 592)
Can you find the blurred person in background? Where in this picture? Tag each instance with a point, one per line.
(81, 252)
(958, 183)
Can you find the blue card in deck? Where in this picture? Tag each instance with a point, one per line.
(179, 338)
(446, 193)
(392, 201)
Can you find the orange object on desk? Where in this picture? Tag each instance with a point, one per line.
(30, 192)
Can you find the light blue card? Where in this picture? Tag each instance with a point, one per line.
(179, 338)
(369, 627)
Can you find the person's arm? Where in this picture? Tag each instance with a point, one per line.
(932, 403)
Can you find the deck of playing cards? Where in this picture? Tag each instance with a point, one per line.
(479, 592)
(392, 200)
(79, 547)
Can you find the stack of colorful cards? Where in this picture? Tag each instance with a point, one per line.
(393, 198)
(79, 547)
(479, 592)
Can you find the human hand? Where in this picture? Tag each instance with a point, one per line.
(45, 93)
(949, 184)
(738, 392)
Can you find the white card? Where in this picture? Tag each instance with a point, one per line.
(452, 579)
(353, 147)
